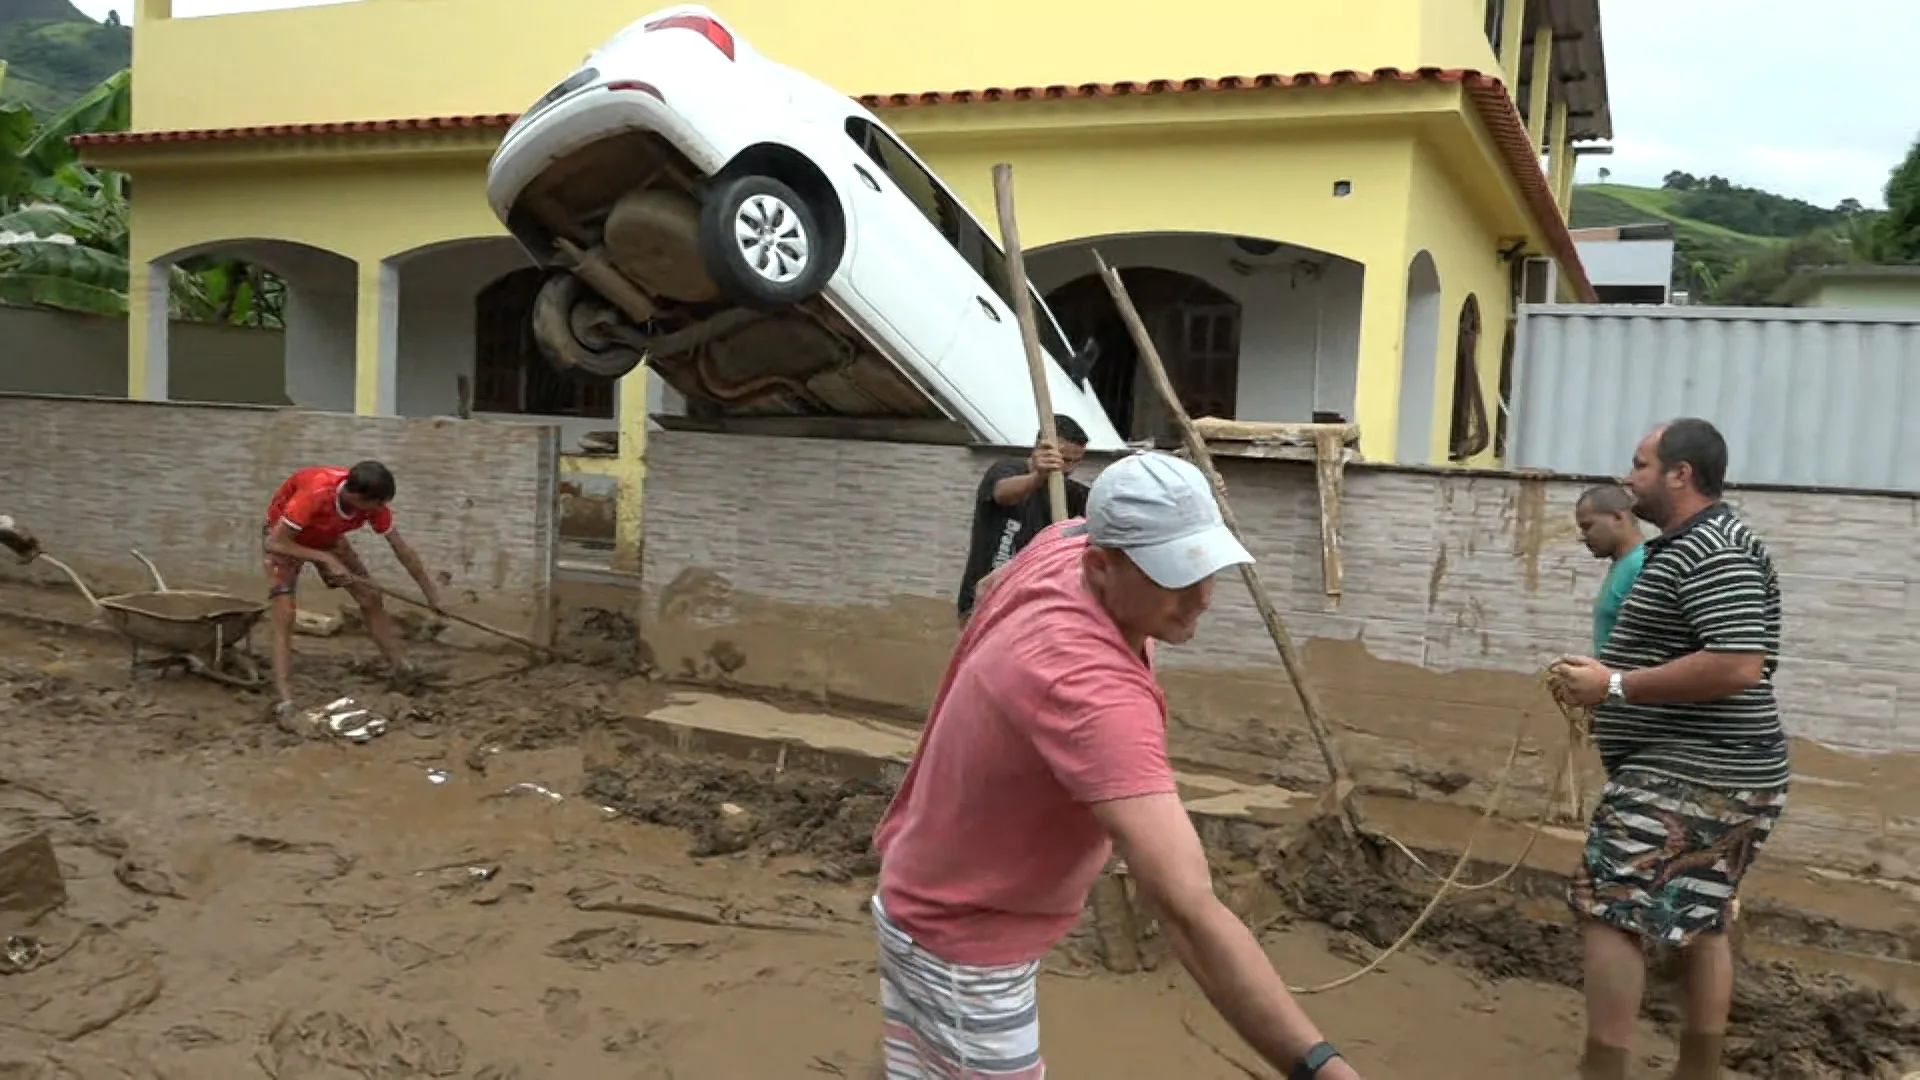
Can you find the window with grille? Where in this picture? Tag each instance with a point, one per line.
(509, 373)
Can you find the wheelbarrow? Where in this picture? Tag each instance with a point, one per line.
(207, 633)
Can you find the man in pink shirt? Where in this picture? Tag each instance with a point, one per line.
(1046, 748)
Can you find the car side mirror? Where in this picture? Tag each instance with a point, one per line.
(1080, 364)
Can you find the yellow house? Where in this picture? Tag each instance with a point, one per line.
(1321, 208)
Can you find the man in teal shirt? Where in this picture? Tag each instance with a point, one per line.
(1610, 531)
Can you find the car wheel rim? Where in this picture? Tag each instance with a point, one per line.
(771, 239)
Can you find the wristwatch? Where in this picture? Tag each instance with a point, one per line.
(1616, 689)
(1317, 1057)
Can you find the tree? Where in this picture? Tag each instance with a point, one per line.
(1898, 235)
(63, 226)
(1679, 181)
(1605, 174)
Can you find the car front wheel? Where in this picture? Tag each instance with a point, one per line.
(763, 245)
(572, 326)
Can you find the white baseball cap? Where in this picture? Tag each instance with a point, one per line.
(1160, 511)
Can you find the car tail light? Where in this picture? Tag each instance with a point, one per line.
(708, 28)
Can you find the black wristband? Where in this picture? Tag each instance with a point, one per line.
(1316, 1059)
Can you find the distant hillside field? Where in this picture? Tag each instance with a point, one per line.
(54, 53)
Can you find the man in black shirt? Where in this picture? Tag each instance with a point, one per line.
(1689, 732)
(1010, 507)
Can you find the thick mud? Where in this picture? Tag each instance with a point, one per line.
(512, 884)
(1786, 1023)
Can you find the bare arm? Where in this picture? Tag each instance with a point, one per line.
(283, 540)
(1164, 855)
(1013, 490)
(1699, 676)
(417, 570)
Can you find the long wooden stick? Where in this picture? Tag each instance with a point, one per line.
(1276, 627)
(1029, 330)
(453, 616)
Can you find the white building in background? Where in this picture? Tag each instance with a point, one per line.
(1628, 264)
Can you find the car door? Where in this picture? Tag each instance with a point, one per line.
(987, 362)
(904, 266)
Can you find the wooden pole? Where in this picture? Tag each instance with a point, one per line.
(1029, 331)
(1342, 792)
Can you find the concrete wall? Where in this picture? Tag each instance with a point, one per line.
(188, 485)
(1898, 293)
(829, 569)
(59, 352)
(1627, 262)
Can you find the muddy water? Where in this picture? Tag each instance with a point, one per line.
(505, 885)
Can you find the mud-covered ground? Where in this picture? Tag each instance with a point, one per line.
(508, 884)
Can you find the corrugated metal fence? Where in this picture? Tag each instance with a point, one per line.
(1806, 397)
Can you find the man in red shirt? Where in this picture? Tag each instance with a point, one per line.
(1046, 748)
(308, 522)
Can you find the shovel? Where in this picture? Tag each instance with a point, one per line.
(526, 642)
(18, 540)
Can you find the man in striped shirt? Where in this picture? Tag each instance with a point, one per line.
(1689, 733)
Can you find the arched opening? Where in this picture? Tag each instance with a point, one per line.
(1194, 326)
(254, 320)
(510, 376)
(1468, 432)
(1419, 360)
(1249, 329)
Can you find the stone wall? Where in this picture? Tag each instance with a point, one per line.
(828, 569)
(188, 485)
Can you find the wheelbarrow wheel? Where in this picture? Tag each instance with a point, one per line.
(238, 670)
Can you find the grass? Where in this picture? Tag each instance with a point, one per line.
(49, 64)
(1624, 204)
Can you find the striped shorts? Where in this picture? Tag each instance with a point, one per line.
(1664, 858)
(943, 1021)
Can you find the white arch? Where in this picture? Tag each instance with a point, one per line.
(1419, 360)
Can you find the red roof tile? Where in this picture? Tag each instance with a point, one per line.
(296, 131)
(1488, 95)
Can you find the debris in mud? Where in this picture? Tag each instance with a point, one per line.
(82, 980)
(30, 880)
(610, 897)
(1786, 1024)
(144, 877)
(607, 625)
(528, 787)
(325, 1044)
(778, 814)
(19, 953)
(603, 945)
(343, 718)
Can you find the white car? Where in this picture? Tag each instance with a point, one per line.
(766, 245)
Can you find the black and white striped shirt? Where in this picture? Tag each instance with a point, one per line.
(1707, 585)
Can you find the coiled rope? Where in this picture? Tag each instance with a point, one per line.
(1579, 730)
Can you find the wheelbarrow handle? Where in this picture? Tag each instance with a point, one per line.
(462, 619)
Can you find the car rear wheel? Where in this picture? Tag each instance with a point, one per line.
(572, 324)
(763, 245)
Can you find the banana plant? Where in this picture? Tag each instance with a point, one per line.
(64, 227)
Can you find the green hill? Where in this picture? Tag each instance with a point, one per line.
(54, 53)
(1726, 236)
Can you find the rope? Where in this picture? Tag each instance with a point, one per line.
(1579, 726)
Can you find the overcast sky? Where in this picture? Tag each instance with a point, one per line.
(1807, 99)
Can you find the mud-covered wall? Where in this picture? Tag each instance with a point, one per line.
(188, 485)
(828, 568)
